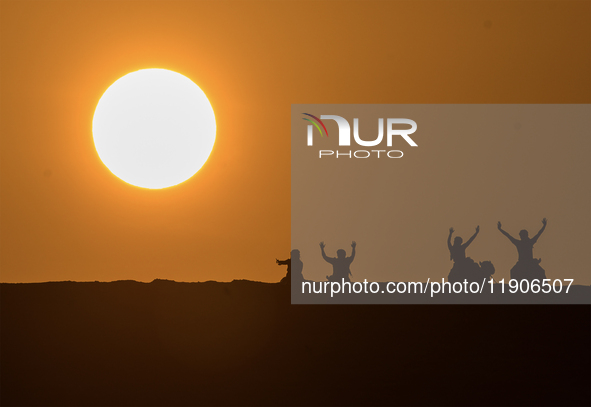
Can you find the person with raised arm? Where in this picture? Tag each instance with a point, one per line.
(464, 267)
(527, 267)
(340, 264)
(457, 252)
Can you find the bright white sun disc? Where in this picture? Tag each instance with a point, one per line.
(154, 128)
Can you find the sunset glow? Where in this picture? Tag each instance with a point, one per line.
(154, 128)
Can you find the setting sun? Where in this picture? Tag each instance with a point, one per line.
(319, 203)
(154, 128)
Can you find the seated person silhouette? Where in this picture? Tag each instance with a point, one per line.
(340, 264)
(526, 267)
(298, 266)
(464, 268)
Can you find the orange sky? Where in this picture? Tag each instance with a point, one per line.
(64, 216)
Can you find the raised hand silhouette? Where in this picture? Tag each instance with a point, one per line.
(527, 267)
(464, 267)
(340, 264)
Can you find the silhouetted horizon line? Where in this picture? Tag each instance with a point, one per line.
(237, 280)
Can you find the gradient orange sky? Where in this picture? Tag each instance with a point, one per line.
(64, 216)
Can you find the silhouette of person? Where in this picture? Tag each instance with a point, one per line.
(526, 267)
(464, 267)
(457, 252)
(340, 264)
(298, 267)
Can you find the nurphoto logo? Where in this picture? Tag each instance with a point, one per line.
(344, 138)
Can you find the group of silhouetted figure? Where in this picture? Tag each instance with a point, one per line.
(464, 268)
(340, 265)
(526, 268)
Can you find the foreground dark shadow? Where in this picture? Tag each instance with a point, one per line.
(242, 343)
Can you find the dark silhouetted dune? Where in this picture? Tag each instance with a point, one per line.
(242, 343)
